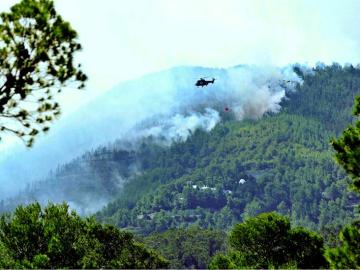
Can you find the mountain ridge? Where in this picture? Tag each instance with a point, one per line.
(278, 148)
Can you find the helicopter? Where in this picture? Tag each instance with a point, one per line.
(203, 82)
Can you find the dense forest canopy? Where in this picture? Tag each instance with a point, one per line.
(55, 237)
(188, 248)
(281, 162)
(234, 177)
(269, 241)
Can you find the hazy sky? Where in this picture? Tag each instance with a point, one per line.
(126, 39)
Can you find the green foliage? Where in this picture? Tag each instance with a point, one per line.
(285, 159)
(7, 259)
(326, 95)
(307, 248)
(347, 149)
(210, 195)
(268, 241)
(56, 238)
(347, 254)
(222, 261)
(187, 248)
(265, 236)
(36, 60)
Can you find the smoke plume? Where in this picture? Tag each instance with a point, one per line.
(166, 106)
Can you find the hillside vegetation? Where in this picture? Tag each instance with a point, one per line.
(281, 162)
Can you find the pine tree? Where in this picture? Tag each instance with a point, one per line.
(36, 61)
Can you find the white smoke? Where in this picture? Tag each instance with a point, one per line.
(175, 108)
(166, 106)
(180, 127)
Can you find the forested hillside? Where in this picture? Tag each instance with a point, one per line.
(280, 162)
(171, 157)
(158, 108)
